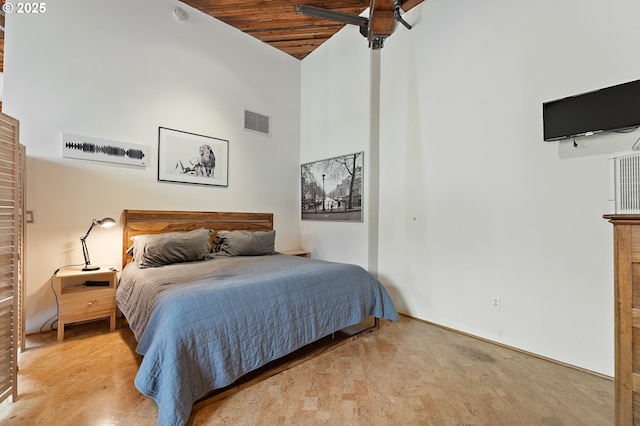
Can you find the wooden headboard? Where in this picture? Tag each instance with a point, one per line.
(138, 222)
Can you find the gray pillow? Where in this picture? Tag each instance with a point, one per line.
(172, 247)
(244, 243)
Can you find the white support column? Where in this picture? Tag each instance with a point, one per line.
(374, 162)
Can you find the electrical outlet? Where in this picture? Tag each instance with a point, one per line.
(495, 303)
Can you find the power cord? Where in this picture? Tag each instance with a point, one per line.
(630, 130)
(57, 303)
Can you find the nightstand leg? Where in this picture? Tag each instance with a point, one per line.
(60, 331)
(112, 322)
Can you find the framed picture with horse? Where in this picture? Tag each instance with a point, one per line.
(185, 157)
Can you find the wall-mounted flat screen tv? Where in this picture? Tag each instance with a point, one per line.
(615, 108)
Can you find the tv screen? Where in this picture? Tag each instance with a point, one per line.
(609, 109)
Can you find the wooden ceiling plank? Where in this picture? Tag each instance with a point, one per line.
(293, 34)
(286, 17)
(293, 40)
(285, 26)
(270, 24)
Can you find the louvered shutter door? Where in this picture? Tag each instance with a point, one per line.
(10, 246)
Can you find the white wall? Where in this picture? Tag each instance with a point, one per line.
(473, 203)
(335, 122)
(119, 70)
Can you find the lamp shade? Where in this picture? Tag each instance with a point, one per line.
(107, 222)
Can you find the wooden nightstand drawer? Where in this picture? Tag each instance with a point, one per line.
(86, 305)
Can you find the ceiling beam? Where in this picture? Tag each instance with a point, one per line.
(410, 4)
(381, 22)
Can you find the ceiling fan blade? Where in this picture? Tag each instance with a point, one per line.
(332, 15)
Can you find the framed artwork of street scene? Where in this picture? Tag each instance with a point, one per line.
(332, 189)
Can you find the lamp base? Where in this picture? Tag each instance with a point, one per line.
(90, 268)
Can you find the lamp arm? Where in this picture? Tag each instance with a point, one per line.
(90, 228)
(83, 239)
(85, 252)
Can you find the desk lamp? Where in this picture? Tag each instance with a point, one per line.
(107, 222)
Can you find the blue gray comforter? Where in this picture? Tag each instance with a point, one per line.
(200, 326)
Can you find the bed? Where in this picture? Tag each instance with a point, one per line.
(210, 300)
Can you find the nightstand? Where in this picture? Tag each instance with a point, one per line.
(299, 253)
(78, 301)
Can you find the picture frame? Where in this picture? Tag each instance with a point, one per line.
(185, 157)
(332, 189)
(82, 147)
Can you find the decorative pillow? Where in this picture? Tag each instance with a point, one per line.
(172, 247)
(244, 243)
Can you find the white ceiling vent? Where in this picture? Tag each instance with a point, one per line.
(256, 122)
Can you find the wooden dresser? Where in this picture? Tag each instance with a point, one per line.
(626, 237)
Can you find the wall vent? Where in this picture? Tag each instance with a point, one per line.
(256, 122)
(626, 182)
